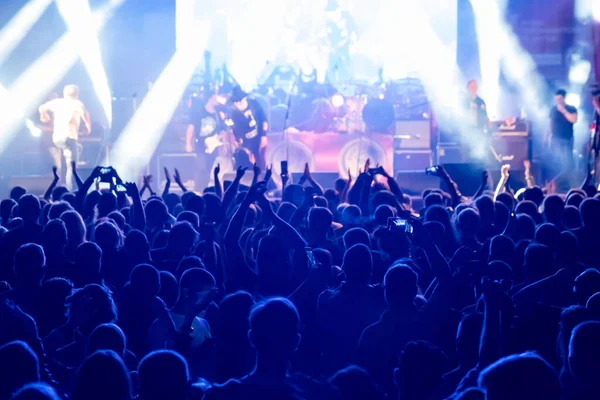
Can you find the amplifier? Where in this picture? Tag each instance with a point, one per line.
(512, 150)
(411, 160)
(414, 134)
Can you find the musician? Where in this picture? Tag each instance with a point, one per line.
(67, 113)
(207, 122)
(560, 135)
(250, 127)
(476, 107)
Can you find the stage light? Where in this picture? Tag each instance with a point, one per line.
(487, 17)
(520, 68)
(596, 10)
(573, 99)
(78, 18)
(579, 72)
(15, 30)
(32, 86)
(138, 141)
(337, 100)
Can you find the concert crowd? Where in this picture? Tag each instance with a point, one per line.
(258, 292)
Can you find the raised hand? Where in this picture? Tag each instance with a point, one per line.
(269, 173)
(306, 171)
(367, 165)
(240, 172)
(256, 190)
(527, 164)
(55, 173)
(177, 177)
(217, 170)
(74, 167)
(256, 169)
(505, 170)
(147, 180)
(484, 177)
(349, 176)
(167, 175)
(132, 189)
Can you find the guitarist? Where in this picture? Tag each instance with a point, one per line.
(206, 124)
(249, 128)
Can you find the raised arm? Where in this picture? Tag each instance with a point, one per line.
(147, 186)
(307, 177)
(232, 190)
(167, 183)
(48, 193)
(255, 176)
(76, 175)
(344, 194)
(218, 187)
(137, 209)
(452, 186)
(179, 182)
(504, 176)
(529, 179)
(84, 189)
(483, 184)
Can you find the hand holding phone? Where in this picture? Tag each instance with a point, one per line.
(399, 225)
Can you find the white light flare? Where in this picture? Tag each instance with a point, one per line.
(519, 67)
(77, 15)
(17, 28)
(136, 145)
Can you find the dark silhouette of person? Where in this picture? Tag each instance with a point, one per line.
(19, 365)
(520, 377)
(111, 337)
(234, 355)
(168, 289)
(36, 391)
(88, 264)
(420, 372)
(102, 376)
(164, 375)
(55, 245)
(380, 344)
(274, 327)
(29, 269)
(355, 383)
(346, 311)
(76, 232)
(53, 295)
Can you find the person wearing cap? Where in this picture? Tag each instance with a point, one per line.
(249, 127)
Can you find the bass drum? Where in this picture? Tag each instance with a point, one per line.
(355, 153)
(297, 156)
(379, 116)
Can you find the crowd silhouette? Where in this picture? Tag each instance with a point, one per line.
(300, 292)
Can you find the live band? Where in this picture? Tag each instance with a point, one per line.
(238, 122)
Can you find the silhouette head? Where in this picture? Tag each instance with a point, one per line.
(194, 284)
(19, 366)
(520, 377)
(58, 208)
(358, 265)
(274, 329)
(420, 370)
(107, 337)
(382, 213)
(76, 230)
(107, 236)
(36, 391)
(539, 262)
(286, 210)
(590, 213)
(190, 217)
(586, 285)
(196, 205)
(355, 383)
(145, 281)
(29, 209)
(17, 192)
(30, 264)
(401, 285)
(164, 374)
(548, 235)
(91, 306)
(55, 235)
(136, 243)
(319, 220)
(101, 376)
(356, 236)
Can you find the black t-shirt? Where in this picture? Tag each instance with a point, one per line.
(248, 125)
(478, 112)
(561, 127)
(205, 123)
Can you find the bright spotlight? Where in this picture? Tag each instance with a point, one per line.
(596, 10)
(34, 130)
(78, 18)
(573, 99)
(337, 100)
(29, 90)
(137, 143)
(580, 72)
(16, 29)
